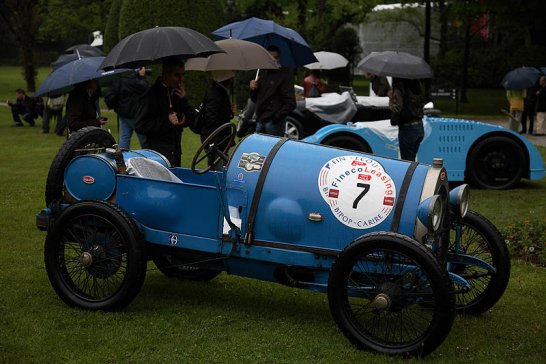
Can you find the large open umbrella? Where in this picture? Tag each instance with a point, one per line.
(327, 61)
(520, 78)
(76, 52)
(240, 55)
(396, 64)
(63, 79)
(295, 51)
(155, 44)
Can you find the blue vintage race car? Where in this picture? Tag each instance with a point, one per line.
(397, 252)
(489, 156)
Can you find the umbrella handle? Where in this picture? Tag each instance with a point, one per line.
(257, 72)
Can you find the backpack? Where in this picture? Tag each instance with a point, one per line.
(409, 109)
(55, 103)
(199, 120)
(111, 99)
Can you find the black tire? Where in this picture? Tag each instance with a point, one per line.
(172, 267)
(347, 142)
(94, 257)
(480, 239)
(409, 312)
(496, 163)
(293, 128)
(90, 137)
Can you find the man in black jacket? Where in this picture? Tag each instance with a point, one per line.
(273, 93)
(216, 111)
(164, 111)
(126, 92)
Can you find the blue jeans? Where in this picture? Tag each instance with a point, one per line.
(127, 128)
(409, 137)
(271, 127)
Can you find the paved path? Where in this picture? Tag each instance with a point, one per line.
(536, 140)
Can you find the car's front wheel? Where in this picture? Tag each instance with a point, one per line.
(476, 236)
(388, 293)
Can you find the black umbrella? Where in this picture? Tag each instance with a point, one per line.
(155, 44)
(396, 64)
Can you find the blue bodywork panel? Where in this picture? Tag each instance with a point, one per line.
(446, 138)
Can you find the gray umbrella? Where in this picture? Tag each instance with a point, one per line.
(240, 55)
(396, 64)
(155, 44)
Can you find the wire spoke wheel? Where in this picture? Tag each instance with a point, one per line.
(94, 257)
(474, 235)
(388, 294)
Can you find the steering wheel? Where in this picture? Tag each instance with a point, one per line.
(210, 148)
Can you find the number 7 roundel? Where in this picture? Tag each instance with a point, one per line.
(359, 192)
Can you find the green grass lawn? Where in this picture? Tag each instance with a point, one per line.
(231, 319)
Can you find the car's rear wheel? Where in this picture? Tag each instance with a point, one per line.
(293, 128)
(90, 137)
(388, 293)
(476, 236)
(496, 163)
(94, 256)
(347, 142)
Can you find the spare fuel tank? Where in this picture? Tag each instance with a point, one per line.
(93, 176)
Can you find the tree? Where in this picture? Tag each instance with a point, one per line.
(23, 19)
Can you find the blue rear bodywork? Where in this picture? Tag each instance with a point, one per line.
(446, 138)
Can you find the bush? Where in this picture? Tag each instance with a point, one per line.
(527, 241)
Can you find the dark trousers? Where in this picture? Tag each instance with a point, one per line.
(410, 137)
(16, 111)
(51, 114)
(527, 114)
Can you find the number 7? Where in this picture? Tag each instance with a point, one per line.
(366, 188)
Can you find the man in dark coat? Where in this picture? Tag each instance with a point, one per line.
(217, 110)
(82, 106)
(164, 111)
(273, 93)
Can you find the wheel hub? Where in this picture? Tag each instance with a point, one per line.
(381, 302)
(86, 259)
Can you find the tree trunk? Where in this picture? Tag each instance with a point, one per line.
(464, 80)
(443, 28)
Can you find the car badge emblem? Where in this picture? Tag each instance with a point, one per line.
(88, 180)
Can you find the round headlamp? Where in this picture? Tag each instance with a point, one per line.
(459, 199)
(430, 212)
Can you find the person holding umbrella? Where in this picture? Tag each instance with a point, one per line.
(217, 110)
(82, 108)
(406, 101)
(273, 93)
(164, 111)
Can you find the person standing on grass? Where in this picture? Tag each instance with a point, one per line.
(164, 111)
(82, 107)
(126, 92)
(273, 93)
(541, 107)
(516, 101)
(406, 101)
